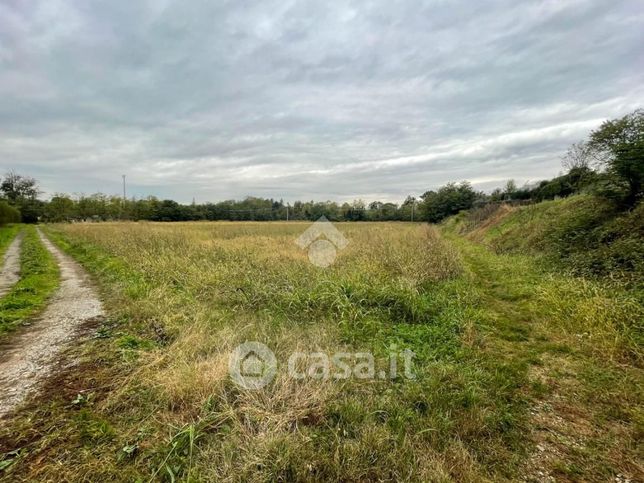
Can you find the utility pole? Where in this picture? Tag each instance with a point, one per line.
(123, 202)
(413, 204)
(287, 212)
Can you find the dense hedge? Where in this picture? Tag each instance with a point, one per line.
(8, 214)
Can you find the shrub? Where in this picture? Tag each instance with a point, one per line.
(619, 144)
(8, 214)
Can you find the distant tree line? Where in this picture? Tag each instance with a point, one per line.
(610, 164)
(99, 207)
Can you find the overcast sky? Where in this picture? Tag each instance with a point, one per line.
(307, 99)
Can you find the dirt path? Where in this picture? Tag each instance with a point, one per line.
(10, 272)
(27, 358)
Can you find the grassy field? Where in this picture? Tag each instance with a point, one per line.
(517, 370)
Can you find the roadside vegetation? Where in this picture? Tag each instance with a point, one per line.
(38, 280)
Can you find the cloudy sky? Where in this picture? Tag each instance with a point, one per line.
(307, 99)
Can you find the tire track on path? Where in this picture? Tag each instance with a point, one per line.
(28, 358)
(10, 272)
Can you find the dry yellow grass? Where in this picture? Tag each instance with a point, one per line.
(182, 296)
(211, 286)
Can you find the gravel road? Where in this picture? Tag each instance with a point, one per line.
(30, 355)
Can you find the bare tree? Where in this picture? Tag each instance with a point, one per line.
(579, 155)
(510, 188)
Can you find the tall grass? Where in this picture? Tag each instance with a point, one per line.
(182, 296)
(210, 286)
(599, 249)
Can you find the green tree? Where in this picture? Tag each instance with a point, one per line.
(21, 192)
(619, 145)
(169, 210)
(60, 208)
(17, 188)
(447, 201)
(406, 209)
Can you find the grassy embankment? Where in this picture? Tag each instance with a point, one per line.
(38, 279)
(599, 249)
(583, 234)
(588, 299)
(490, 332)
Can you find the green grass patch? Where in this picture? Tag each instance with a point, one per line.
(39, 278)
(7, 234)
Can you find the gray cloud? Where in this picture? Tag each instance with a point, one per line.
(308, 100)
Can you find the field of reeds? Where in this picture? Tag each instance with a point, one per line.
(150, 397)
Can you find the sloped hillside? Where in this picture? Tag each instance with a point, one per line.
(583, 233)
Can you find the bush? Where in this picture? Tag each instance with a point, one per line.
(570, 183)
(8, 214)
(620, 145)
